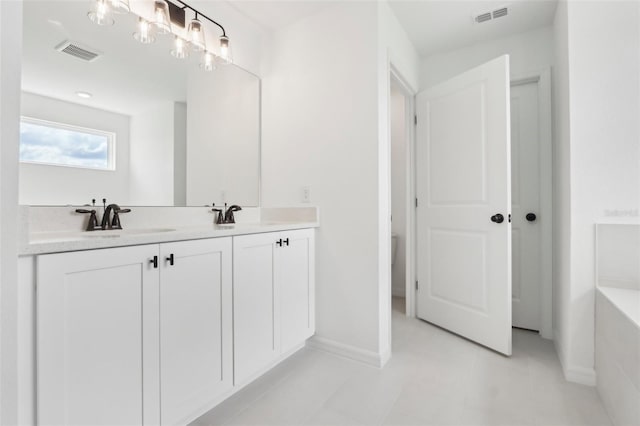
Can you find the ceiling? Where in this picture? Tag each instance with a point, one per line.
(272, 15)
(432, 25)
(438, 26)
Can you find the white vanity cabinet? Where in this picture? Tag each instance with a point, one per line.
(159, 334)
(113, 330)
(273, 298)
(97, 325)
(196, 342)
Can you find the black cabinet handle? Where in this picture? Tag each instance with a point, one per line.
(154, 262)
(279, 242)
(497, 218)
(170, 259)
(286, 241)
(531, 217)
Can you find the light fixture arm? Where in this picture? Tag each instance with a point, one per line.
(198, 13)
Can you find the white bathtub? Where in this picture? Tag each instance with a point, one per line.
(618, 353)
(618, 321)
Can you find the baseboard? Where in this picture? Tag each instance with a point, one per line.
(397, 292)
(347, 351)
(573, 373)
(580, 375)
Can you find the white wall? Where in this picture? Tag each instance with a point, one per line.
(529, 51)
(152, 156)
(320, 130)
(324, 94)
(398, 188)
(561, 185)
(603, 46)
(10, 56)
(54, 185)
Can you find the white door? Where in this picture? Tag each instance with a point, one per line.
(525, 199)
(255, 305)
(195, 327)
(97, 326)
(464, 190)
(295, 279)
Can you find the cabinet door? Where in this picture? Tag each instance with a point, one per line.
(97, 325)
(195, 327)
(255, 310)
(295, 278)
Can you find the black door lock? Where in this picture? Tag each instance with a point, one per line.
(497, 218)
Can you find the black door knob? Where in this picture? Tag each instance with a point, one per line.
(531, 217)
(497, 218)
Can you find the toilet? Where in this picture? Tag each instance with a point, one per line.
(394, 246)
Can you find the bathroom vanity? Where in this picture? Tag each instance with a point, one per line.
(158, 325)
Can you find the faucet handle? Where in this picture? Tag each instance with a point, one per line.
(115, 222)
(92, 225)
(219, 219)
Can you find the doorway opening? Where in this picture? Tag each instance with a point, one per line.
(531, 184)
(530, 261)
(401, 130)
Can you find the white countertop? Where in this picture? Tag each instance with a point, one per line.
(56, 242)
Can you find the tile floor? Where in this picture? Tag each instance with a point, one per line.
(433, 378)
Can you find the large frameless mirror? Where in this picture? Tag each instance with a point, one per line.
(105, 116)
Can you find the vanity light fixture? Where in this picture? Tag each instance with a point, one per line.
(100, 13)
(207, 62)
(180, 48)
(161, 17)
(120, 6)
(102, 10)
(146, 32)
(225, 50)
(196, 34)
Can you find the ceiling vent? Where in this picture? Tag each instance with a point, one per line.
(488, 16)
(499, 13)
(78, 50)
(483, 17)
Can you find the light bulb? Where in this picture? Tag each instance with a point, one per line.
(146, 32)
(196, 35)
(180, 48)
(225, 50)
(120, 6)
(207, 62)
(100, 14)
(161, 20)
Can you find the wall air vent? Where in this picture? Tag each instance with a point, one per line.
(78, 50)
(483, 17)
(499, 13)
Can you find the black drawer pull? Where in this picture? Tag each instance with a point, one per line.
(286, 241)
(279, 242)
(154, 262)
(170, 259)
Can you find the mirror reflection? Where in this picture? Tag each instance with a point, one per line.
(105, 116)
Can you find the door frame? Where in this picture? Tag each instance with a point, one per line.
(410, 188)
(542, 79)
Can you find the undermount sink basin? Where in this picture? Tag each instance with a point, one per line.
(115, 233)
